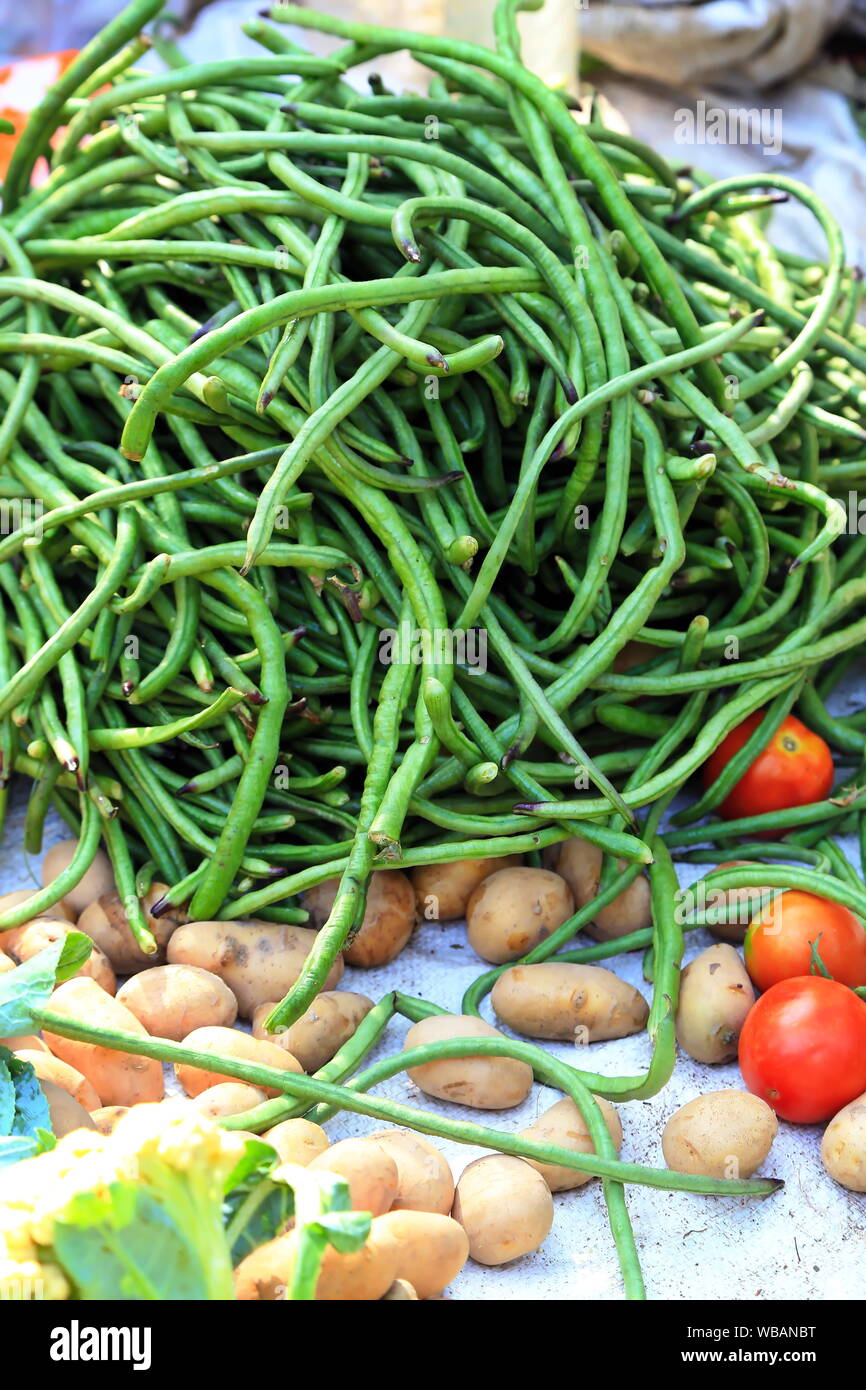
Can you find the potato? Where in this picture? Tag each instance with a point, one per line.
(389, 916)
(571, 1003)
(68, 1078)
(748, 901)
(361, 1275)
(59, 912)
(228, 1098)
(30, 1042)
(431, 1249)
(487, 1083)
(442, 891)
(44, 932)
(368, 1169)
(424, 1178)
(723, 1134)
(121, 1078)
(401, 1291)
(514, 909)
(98, 879)
(230, 1042)
(106, 922)
(6, 963)
(107, 1117)
(715, 996)
(843, 1148)
(297, 1141)
(66, 1114)
(313, 1038)
(580, 863)
(564, 1125)
(505, 1208)
(173, 1000)
(257, 960)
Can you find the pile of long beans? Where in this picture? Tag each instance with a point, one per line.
(306, 389)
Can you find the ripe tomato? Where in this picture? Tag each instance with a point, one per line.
(779, 941)
(803, 1048)
(795, 768)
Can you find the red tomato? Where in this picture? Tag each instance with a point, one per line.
(803, 1048)
(779, 941)
(795, 768)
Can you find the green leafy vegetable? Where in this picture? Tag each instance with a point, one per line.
(30, 985)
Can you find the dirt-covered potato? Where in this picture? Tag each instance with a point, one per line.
(297, 1141)
(359, 1276)
(107, 1117)
(424, 1178)
(106, 922)
(843, 1147)
(564, 1125)
(240, 1047)
(228, 1098)
(747, 901)
(515, 909)
(313, 1038)
(505, 1208)
(723, 1134)
(715, 996)
(173, 1000)
(44, 932)
(486, 1083)
(121, 1078)
(570, 1003)
(368, 1169)
(389, 916)
(442, 891)
(431, 1249)
(258, 961)
(66, 1114)
(98, 879)
(68, 1078)
(579, 863)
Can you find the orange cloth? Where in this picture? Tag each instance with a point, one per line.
(23, 84)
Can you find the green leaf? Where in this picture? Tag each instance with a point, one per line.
(31, 1107)
(14, 1147)
(255, 1208)
(7, 1094)
(29, 986)
(121, 1245)
(345, 1230)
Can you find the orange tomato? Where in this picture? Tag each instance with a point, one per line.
(794, 769)
(780, 941)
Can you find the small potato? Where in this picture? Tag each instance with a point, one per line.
(66, 1114)
(29, 1042)
(48, 1068)
(359, 1276)
(58, 911)
(173, 1000)
(431, 1249)
(580, 863)
(98, 879)
(368, 1169)
(515, 909)
(747, 901)
(257, 960)
(389, 916)
(424, 1178)
(401, 1291)
(43, 933)
(723, 1134)
(107, 1117)
(570, 1003)
(843, 1148)
(442, 891)
(564, 1125)
(715, 996)
(297, 1141)
(330, 1021)
(6, 964)
(487, 1083)
(228, 1098)
(505, 1208)
(106, 922)
(230, 1042)
(121, 1078)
